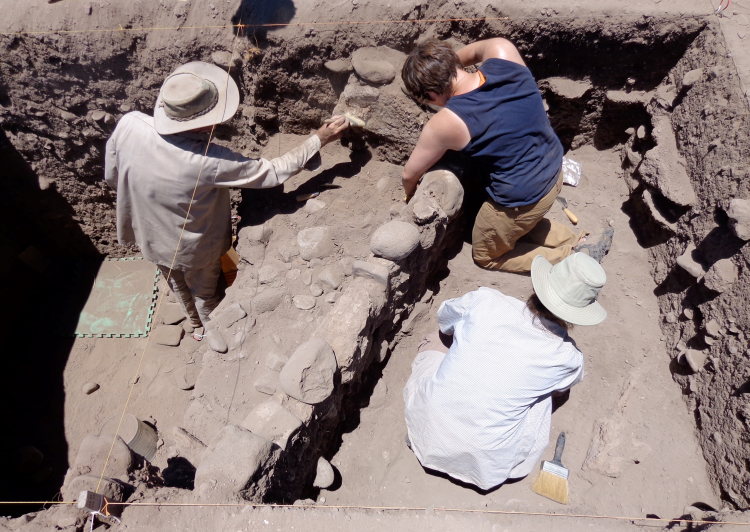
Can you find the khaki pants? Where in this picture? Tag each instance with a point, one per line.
(196, 290)
(508, 239)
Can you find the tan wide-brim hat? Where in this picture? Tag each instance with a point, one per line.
(195, 95)
(569, 288)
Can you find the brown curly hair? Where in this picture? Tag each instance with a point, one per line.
(542, 313)
(430, 67)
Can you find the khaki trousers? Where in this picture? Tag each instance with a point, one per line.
(508, 239)
(196, 290)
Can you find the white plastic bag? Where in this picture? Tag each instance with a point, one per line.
(571, 172)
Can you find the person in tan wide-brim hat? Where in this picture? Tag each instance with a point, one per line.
(478, 403)
(167, 175)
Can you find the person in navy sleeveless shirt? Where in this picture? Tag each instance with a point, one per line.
(496, 117)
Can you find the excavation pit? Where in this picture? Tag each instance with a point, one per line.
(646, 140)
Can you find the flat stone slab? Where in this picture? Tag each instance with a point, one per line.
(170, 335)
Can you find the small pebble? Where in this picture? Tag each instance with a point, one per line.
(316, 290)
(90, 387)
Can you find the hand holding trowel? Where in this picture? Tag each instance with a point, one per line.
(572, 217)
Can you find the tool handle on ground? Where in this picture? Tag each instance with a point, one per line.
(559, 448)
(572, 217)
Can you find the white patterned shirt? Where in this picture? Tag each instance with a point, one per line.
(482, 412)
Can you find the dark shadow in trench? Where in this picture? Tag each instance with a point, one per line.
(259, 13)
(38, 226)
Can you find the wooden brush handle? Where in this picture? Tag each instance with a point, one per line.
(572, 217)
(559, 448)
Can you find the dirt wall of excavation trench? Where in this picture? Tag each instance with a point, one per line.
(61, 95)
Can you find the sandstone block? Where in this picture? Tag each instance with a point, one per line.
(691, 78)
(227, 316)
(167, 335)
(360, 95)
(216, 341)
(231, 461)
(273, 422)
(395, 240)
(331, 276)
(315, 242)
(339, 66)
(257, 234)
(92, 454)
(324, 475)
(267, 300)
(368, 270)
(567, 88)
(308, 376)
(112, 489)
(188, 446)
(424, 212)
(171, 313)
(377, 65)
(721, 276)
(687, 262)
(739, 218)
(664, 168)
(445, 188)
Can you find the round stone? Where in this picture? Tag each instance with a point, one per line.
(90, 387)
(303, 302)
(394, 240)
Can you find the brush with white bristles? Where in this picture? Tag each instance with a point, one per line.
(552, 481)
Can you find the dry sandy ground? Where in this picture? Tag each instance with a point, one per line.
(660, 465)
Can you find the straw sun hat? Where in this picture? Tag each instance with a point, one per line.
(195, 95)
(569, 289)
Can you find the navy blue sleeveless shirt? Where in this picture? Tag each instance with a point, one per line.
(512, 140)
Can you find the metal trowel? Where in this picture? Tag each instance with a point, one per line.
(572, 217)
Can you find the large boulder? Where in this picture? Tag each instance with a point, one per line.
(395, 240)
(308, 376)
(231, 462)
(93, 453)
(444, 187)
(378, 65)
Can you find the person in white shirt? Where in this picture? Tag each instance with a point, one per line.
(173, 187)
(480, 411)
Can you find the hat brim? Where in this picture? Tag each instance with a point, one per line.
(226, 107)
(541, 270)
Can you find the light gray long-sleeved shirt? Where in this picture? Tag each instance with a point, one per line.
(482, 412)
(155, 176)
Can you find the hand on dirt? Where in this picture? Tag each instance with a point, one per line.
(333, 131)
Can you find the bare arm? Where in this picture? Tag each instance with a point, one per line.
(481, 51)
(445, 131)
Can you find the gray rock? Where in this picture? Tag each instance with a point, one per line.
(109, 119)
(368, 270)
(225, 59)
(287, 251)
(332, 297)
(721, 276)
(315, 242)
(306, 277)
(188, 445)
(687, 262)
(231, 462)
(313, 205)
(275, 361)
(423, 212)
(93, 453)
(268, 383)
(324, 475)
(641, 133)
(273, 422)
(267, 300)
(292, 275)
(739, 218)
(185, 376)
(445, 188)
(112, 489)
(171, 314)
(691, 78)
(331, 276)
(167, 335)
(268, 273)
(316, 290)
(377, 65)
(308, 376)
(303, 302)
(567, 88)
(98, 116)
(90, 387)
(395, 240)
(259, 233)
(713, 328)
(227, 316)
(695, 359)
(189, 329)
(65, 115)
(216, 341)
(360, 95)
(346, 265)
(339, 66)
